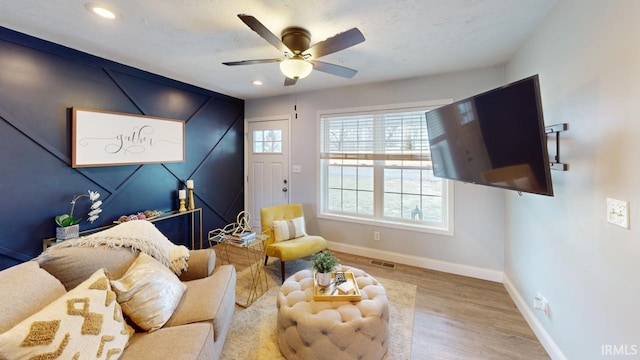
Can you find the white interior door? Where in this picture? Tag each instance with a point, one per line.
(268, 166)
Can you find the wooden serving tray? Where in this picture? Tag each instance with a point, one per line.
(353, 295)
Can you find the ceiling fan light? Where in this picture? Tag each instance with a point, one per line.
(295, 68)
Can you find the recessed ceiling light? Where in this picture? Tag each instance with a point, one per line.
(101, 10)
(257, 82)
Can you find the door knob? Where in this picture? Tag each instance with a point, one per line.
(284, 189)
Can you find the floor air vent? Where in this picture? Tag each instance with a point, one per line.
(383, 264)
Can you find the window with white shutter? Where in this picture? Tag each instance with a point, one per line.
(375, 165)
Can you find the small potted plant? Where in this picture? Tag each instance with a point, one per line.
(323, 264)
(68, 227)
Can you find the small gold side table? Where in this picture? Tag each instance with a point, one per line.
(254, 252)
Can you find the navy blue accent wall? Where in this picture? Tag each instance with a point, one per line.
(40, 82)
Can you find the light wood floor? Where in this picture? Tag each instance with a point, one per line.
(457, 317)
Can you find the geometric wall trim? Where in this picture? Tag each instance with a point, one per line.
(40, 81)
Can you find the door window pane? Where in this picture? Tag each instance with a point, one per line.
(267, 141)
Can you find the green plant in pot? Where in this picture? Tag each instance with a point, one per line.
(323, 263)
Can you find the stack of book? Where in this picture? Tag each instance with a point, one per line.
(243, 238)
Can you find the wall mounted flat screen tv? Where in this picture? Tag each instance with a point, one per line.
(496, 138)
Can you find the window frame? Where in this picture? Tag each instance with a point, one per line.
(443, 228)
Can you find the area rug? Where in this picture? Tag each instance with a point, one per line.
(253, 333)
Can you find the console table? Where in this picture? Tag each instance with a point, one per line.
(195, 217)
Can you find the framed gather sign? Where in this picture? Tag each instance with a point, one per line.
(106, 138)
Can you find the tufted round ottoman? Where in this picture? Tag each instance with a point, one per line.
(332, 330)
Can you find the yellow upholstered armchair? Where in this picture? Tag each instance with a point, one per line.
(287, 236)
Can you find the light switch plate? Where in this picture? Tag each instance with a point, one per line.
(296, 169)
(618, 212)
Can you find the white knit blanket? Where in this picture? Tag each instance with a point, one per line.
(139, 235)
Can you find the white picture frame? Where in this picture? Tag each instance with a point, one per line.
(107, 138)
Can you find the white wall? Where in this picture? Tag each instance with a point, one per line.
(477, 247)
(587, 53)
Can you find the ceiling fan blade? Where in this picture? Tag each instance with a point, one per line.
(251, 62)
(289, 81)
(336, 43)
(262, 30)
(333, 69)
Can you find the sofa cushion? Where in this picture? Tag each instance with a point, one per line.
(187, 342)
(86, 322)
(211, 299)
(73, 265)
(149, 292)
(37, 289)
(139, 235)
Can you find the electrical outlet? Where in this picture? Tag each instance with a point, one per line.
(541, 303)
(376, 236)
(618, 212)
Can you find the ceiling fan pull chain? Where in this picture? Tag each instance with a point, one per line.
(295, 104)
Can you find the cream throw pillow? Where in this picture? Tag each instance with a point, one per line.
(85, 323)
(148, 292)
(288, 229)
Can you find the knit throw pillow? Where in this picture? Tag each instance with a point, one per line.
(149, 292)
(85, 323)
(288, 229)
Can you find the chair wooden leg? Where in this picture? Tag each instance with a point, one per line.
(266, 257)
(282, 270)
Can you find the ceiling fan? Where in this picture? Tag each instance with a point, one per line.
(298, 57)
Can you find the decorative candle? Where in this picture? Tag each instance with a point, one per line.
(182, 194)
(190, 184)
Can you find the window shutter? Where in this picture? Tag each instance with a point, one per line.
(403, 136)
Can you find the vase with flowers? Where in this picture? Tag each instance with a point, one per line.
(68, 225)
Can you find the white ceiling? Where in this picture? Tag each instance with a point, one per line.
(187, 40)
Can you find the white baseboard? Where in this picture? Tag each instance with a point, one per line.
(543, 336)
(426, 263)
(465, 270)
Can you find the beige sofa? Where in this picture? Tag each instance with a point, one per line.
(196, 330)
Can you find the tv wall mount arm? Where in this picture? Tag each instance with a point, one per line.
(557, 129)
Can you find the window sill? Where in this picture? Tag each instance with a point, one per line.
(389, 224)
